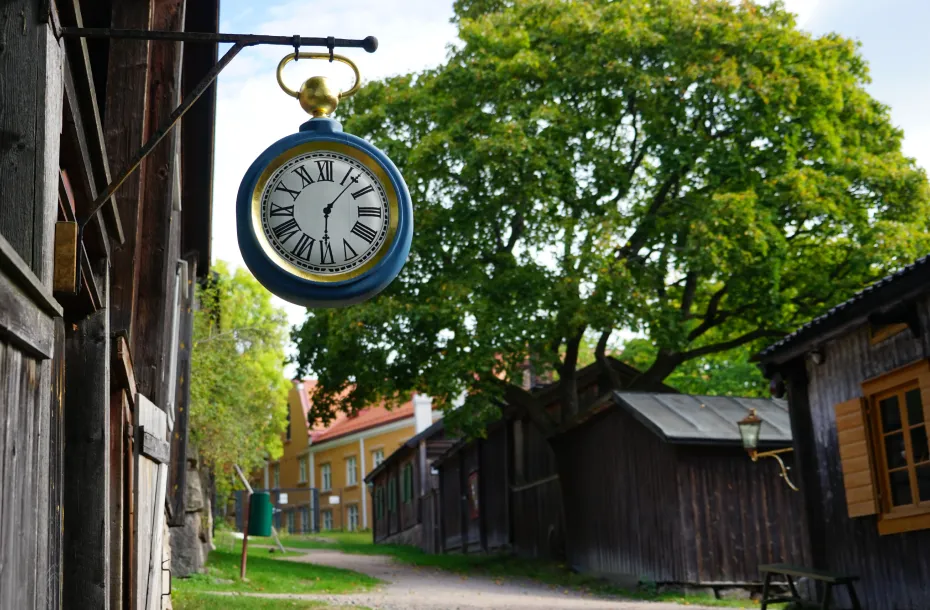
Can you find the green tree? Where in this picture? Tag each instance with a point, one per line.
(728, 373)
(238, 392)
(698, 171)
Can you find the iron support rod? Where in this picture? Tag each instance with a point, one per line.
(370, 43)
(159, 135)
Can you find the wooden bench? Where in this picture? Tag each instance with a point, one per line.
(789, 572)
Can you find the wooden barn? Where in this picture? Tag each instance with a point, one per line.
(96, 303)
(858, 387)
(404, 491)
(504, 491)
(658, 488)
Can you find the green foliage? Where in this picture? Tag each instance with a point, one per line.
(727, 373)
(700, 172)
(207, 601)
(238, 393)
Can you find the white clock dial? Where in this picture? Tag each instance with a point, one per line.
(325, 212)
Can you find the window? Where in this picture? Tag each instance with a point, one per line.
(351, 472)
(407, 484)
(288, 425)
(302, 465)
(327, 519)
(304, 519)
(291, 526)
(392, 495)
(353, 517)
(326, 477)
(884, 449)
(377, 456)
(276, 481)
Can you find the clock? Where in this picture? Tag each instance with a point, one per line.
(324, 218)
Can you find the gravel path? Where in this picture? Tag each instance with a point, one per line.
(433, 589)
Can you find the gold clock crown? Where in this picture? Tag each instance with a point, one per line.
(317, 96)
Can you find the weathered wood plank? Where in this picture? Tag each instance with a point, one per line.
(126, 131)
(20, 108)
(160, 237)
(50, 570)
(86, 551)
(119, 403)
(150, 507)
(177, 484)
(12, 265)
(21, 322)
(10, 373)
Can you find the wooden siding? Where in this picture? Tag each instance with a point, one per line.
(895, 569)
(538, 525)
(641, 508)
(450, 490)
(622, 516)
(735, 515)
(495, 495)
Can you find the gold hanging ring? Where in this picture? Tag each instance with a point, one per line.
(326, 56)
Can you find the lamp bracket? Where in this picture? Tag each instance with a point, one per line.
(776, 455)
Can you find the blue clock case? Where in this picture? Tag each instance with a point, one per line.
(307, 292)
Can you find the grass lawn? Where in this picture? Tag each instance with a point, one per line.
(265, 574)
(500, 567)
(205, 601)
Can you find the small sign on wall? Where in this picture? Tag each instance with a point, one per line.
(334, 499)
(282, 498)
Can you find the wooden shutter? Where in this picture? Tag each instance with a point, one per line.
(852, 426)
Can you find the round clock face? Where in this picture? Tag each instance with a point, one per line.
(326, 213)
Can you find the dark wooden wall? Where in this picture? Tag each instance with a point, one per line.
(641, 508)
(495, 490)
(895, 569)
(451, 491)
(410, 510)
(536, 502)
(736, 515)
(623, 517)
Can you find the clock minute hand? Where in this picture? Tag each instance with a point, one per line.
(329, 208)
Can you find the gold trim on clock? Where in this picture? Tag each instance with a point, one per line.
(343, 149)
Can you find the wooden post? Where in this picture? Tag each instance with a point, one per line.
(463, 486)
(482, 498)
(245, 521)
(86, 574)
(126, 131)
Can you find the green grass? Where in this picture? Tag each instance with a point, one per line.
(498, 567)
(268, 575)
(206, 601)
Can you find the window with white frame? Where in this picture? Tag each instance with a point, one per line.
(327, 519)
(377, 456)
(351, 471)
(302, 466)
(290, 523)
(326, 477)
(353, 517)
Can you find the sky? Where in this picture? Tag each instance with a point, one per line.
(253, 112)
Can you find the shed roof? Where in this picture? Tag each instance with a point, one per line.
(903, 284)
(437, 428)
(706, 420)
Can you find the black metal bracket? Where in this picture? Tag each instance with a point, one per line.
(239, 42)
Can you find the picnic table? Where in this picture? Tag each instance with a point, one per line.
(790, 572)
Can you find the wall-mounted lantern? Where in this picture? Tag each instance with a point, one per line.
(749, 428)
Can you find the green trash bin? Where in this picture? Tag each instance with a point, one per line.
(260, 514)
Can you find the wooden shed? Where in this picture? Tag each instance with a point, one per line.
(404, 491)
(658, 488)
(96, 303)
(858, 387)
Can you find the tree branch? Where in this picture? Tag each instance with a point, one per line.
(710, 316)
(732, 343)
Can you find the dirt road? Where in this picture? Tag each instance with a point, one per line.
(432, 589)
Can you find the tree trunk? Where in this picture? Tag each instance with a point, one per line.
(665, 364)
(568, 377)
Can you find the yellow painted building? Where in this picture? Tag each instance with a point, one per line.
(335, 460)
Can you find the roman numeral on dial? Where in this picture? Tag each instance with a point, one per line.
(279, 210)
(326, 171)
(326, 252)
(346, 248)
(365, 232)
(373, 212)
(286, 230)
(281, 187)
(304, 247)
(305, 178)
(347, 176)
(363, 192)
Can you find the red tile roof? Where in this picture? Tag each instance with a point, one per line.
(343, 425)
